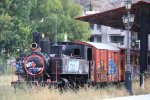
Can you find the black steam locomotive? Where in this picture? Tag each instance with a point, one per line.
(61, 62)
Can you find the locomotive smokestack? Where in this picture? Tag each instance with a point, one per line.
(36, 37)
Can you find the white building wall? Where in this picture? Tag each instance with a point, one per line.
(104, 34)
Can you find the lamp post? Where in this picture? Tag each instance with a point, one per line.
(128, 22)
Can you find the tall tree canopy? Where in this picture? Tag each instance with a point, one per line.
(57, 17)
(19, 18)
(14, 20)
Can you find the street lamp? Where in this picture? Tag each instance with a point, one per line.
(128, 4)
(128, 22)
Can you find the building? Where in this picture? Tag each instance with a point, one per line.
(102, 33)
(110, 35)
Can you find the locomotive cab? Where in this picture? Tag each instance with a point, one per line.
(70, 61)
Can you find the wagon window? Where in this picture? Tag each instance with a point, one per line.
(77, 52)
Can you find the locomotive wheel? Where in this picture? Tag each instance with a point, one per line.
(65, 83)
(72, 84)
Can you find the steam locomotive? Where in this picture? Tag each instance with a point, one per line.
(75, 63)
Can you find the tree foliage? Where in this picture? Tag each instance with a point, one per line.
(19, 18)
(57, 17)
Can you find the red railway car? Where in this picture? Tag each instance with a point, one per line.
(109, 62)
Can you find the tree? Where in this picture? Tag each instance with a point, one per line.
(20, 10)
(6, 25)
(53, 17)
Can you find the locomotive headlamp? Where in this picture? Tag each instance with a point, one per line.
(33, 45)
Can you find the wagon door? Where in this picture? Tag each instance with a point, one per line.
(91, 63)
(96, 56)
(113, 66)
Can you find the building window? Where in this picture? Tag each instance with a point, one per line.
(92, 26)
(98, 38)
(117, 39)
(91, 39)
(95, 38)
(98, 27)
(134, 35)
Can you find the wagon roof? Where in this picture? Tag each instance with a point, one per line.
(104, 46)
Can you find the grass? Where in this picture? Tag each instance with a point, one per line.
(137, 90)
(7, 92)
